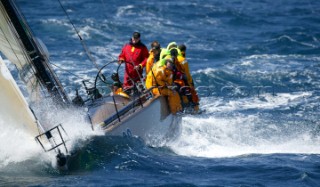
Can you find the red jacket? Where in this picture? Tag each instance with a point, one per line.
(134, 55)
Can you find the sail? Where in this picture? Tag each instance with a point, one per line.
(12, 49)
(13, 106)
(18, 44)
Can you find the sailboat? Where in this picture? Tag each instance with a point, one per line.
(141, 115)
(27, 54)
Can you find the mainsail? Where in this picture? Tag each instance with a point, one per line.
(23, 50)
(13, 105)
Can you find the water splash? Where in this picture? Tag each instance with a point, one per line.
(231, 129)
(17, 145)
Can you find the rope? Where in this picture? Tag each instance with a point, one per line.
(68, 71)
(81, 40)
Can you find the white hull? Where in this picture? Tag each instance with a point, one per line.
(151, 122)
(148, 123)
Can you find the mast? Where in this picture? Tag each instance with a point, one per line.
(35, 55)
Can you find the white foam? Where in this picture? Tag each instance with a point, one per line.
(226, 132)
(207, 71)
(123, 10)
(17, 145)
(264, 101)
(63, 22)
(228, 137)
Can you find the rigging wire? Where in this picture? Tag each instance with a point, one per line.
(68, 72)
(35, 82)
(53, 75)
(81, 40)
(104, 15)
(81, 78)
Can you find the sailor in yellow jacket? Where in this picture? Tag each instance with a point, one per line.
(185, 69)
(184, 64)
(161, 77)
(177, 54)
(154, 55)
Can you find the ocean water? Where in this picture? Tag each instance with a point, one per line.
(256, 66)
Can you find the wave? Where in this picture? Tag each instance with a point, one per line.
(268, 72)
(238, 127)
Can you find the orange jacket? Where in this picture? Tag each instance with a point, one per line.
(159, 76)
(185, 69)
(150, 62)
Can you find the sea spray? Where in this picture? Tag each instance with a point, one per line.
(18, 146)
(231, 129)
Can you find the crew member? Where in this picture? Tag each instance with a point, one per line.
(135, 55)
(185, 69)
(182, 76)
(154, 55)
(161, 77)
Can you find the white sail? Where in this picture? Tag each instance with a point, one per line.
(21, 48)
(12, 49)
(13, 106)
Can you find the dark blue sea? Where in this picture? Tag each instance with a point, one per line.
(256, 66)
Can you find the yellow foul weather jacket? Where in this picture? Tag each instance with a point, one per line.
(150, 62)
(161, 77)
(185, 69)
